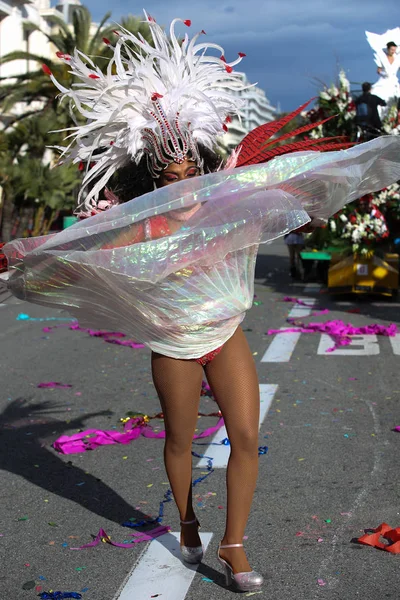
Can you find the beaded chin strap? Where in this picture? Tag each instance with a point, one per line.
(170, 143)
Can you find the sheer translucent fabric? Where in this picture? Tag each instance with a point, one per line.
(184, 294)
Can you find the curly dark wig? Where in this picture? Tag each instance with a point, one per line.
(135, 180)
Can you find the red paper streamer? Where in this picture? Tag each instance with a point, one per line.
(383, 530)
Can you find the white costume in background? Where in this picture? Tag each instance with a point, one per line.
(387, 87)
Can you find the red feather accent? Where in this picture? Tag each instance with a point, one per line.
(188, 22)
(46, 70)
(258, 157)
(298, 131)
(241, 54)
(93, 76)
(252, 142)
(301, 146)
(228, 69)
(258, 146)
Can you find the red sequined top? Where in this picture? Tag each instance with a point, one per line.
(150, 229)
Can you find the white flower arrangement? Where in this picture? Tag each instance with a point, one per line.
(317, 133)
(343, 81)
(367, 227)
(389, 194)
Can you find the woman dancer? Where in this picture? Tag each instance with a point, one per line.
(387, 59)
(174, 267)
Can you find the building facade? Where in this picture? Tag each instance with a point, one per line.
(16, 33)
(257, 111)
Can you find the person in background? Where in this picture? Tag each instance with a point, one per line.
(367, 115)
(295, 243)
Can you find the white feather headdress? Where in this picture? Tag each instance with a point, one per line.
(159, 99)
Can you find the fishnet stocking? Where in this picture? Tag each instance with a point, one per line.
(233, 380)
(178, 385)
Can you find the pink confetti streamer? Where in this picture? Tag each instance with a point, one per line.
(339, 331)
(397, 428)
(102, 536)
(111, 337)
(297, 301)
(93, 438)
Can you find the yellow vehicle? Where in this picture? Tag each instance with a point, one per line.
(364, 275)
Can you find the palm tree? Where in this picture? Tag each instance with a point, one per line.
(30, 190)
(34, 89)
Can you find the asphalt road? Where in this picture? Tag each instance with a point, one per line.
(331, 470)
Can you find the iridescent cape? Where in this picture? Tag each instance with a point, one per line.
(184, 295)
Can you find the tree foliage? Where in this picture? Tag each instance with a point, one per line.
(33, 117)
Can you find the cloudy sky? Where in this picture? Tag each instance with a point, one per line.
(291, 45)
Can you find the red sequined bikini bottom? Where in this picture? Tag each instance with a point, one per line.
(204, 360)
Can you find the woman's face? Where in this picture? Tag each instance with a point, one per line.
(174, 172)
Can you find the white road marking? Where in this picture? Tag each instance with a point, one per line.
(302, 311)
(282, 347)
(387, 304)
(161, 571)
(221, 453)
(5, 275)
(395, 341)
(312, 287)
(341, 534)
(361, 345)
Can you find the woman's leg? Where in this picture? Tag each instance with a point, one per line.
(233, 380)
(178, 385)
(298, 248)
(292, 259)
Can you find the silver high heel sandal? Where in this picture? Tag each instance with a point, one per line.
(249, 581)
(192, 555)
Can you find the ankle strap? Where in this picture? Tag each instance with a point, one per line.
(231, 546)
(188, 522)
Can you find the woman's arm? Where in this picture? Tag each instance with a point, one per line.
(132, 235)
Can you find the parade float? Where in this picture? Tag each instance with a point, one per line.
(357, 250)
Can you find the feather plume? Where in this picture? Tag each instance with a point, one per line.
(158, 98)
(257, 146)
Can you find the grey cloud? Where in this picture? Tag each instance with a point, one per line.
(288, 44)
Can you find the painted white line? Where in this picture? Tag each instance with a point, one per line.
(361, 345)
(282, 347)
(302, 311)
(5, 275)
(312, 287)
(395, 342)
(221, 453)
(386, 304)
(161, 571)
